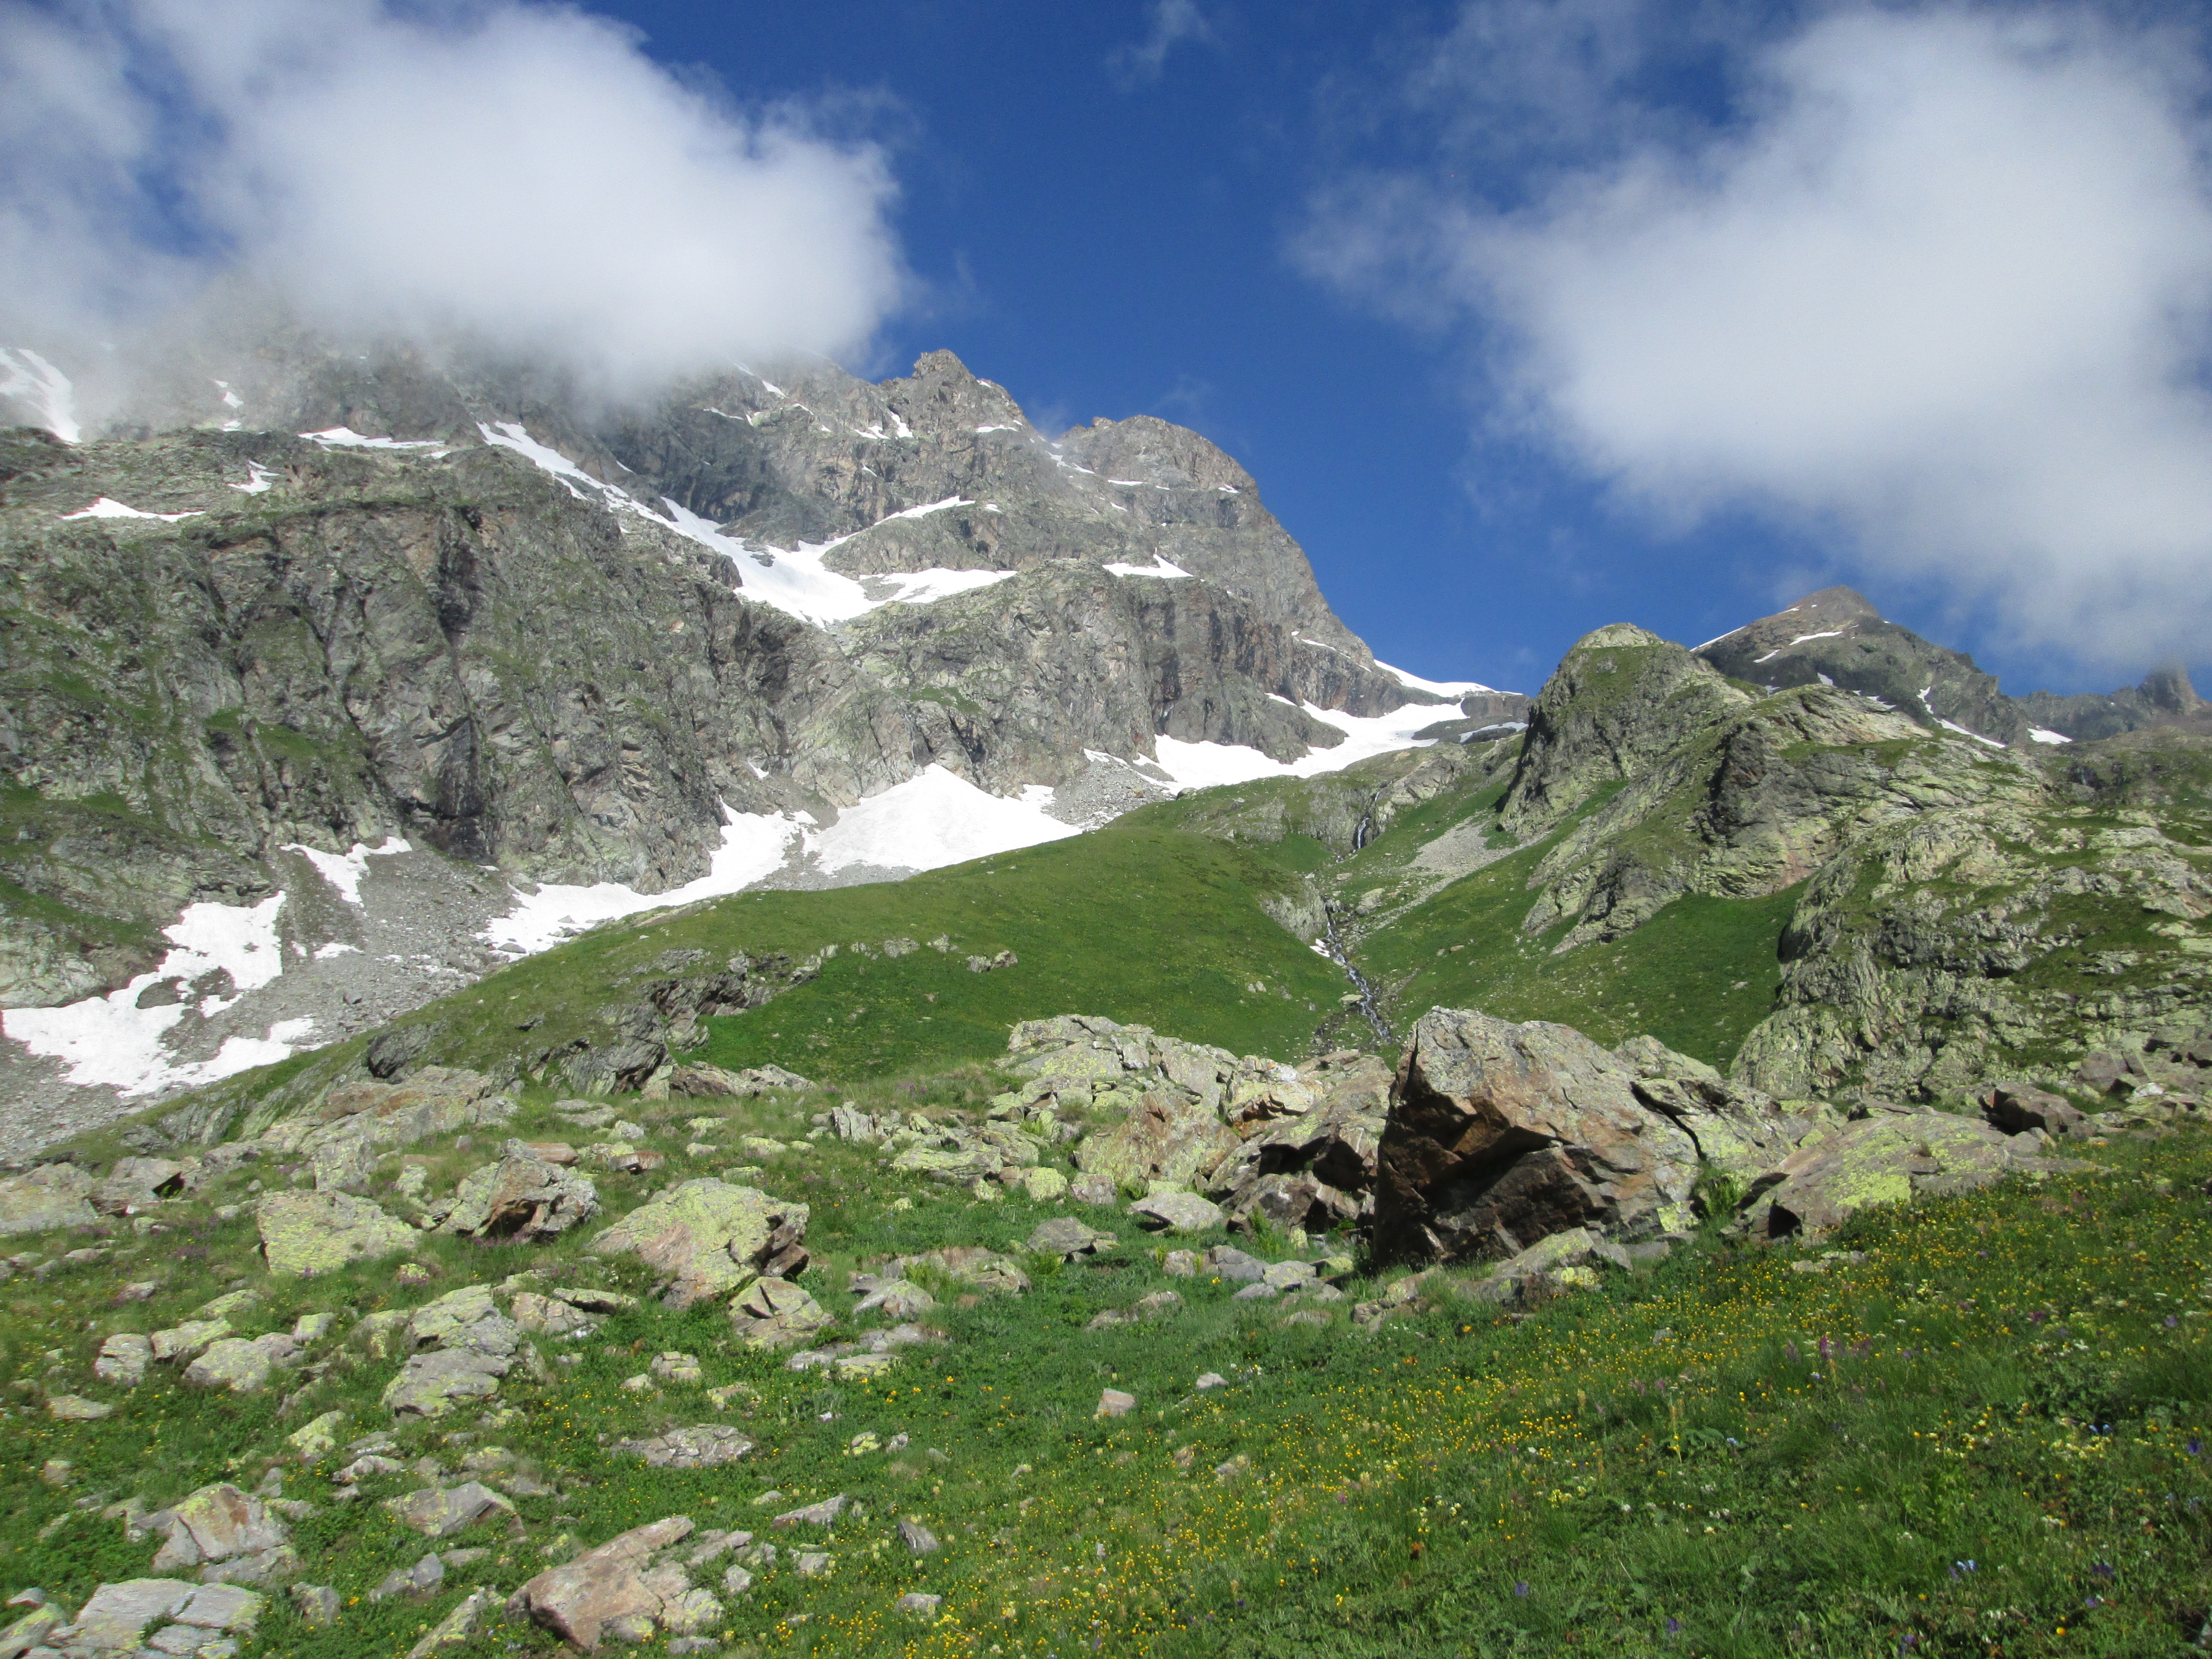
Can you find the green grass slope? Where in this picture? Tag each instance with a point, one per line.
(1984, 1436)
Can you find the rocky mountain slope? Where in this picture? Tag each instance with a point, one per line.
(1835, 637)
(308, 693)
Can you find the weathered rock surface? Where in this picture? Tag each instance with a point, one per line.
(707, 1446)
(708, 1237)
(461, 1346)
(774, 1313)
(310, 1233)
(627, 1589)
(1501, 1134)
(215, 1524)
(1887, 1157)
(440, 1512)
(525, 1196)
(52, 1195)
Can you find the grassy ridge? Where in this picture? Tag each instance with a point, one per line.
(1698, 975)
(1146, 925)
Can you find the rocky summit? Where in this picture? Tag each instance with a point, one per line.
(801, 1017)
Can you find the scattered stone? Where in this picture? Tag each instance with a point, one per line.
(712, 1082)
(823, 1514)
(1065, 1237)
(1227, 1261)
(2019, 1108)
(919, 1602)
(39, 1628)
(240, 1365)
(707, 1446)
(1211, 1380)
(1114, 1402)
(1043, 1184)
(117, 1615)
(710, 1238)
(984, 1270)
(1180, 1264)
(457, 1629)
(421, 1579)
(774, 1313)
(1182, 1213)
(216, 1523)
(546, 1315)
(918, 1539)
(318, 1604)
(304, 1234)
(1096, 1190)
(679, 1367)
(897, 1299)
(1261, 1291)
(812, 1564)
(135, 1184)
(71, 1409)
(437, 1512)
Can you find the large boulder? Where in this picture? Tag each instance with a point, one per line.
(708, 1237)
(309, 1233)
(1168, 1135)
(615, 1590)
(1738, 1131)
(1501, 1134)
(216, 1523)
(525, 1196)
(52, 1195)
(135, 1184)
(1309, 1159)
(1887, 1156)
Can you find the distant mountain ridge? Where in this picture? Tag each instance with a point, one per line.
(1835, 637)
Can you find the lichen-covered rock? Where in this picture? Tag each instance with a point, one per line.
(1179, 1212)
(124, 1359)
(52, 1195)
(985, 1270)
(136, 1184)
(705, 1082)
(1501, 1134)
(1166, 1136)
(774, 1313)
(525, 1196)
(710, 1238)
(1065, 1237)
(465, 1346)
(241, 1365)
(215, 1523)
(1887, 1157)
(304, 1234)
(117, 1615)
(708, 1445)
(440, 1512)
(1314, 1169)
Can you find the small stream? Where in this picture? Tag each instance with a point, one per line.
(1368, 1010)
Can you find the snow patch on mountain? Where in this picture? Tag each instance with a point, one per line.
(111, 1040)
(1453, 689)
(344, 870)
(107, 508)
(1204, 765)
(1159, 567)
(932, 820)
(755, 846)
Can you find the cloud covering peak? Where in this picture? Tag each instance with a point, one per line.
(1944, 288)
(518, 172)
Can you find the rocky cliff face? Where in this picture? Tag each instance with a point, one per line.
(480, 614)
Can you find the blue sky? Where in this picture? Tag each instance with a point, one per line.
(1109, 231)
(1527, 315)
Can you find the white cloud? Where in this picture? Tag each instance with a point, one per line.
(519, 171)
(1947, 288)
(1174, 23)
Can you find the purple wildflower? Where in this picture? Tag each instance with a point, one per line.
(1521, 1587)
